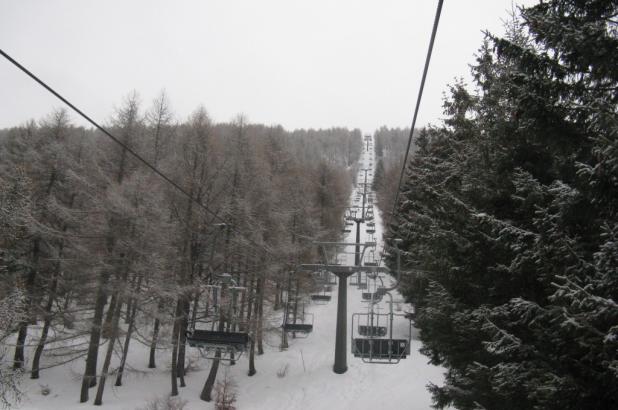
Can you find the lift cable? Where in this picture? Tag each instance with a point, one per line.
(416, 108)
(418, 102)
(124, 146)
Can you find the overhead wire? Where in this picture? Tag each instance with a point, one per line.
(419, 97)
(176, 186)
(144, 161)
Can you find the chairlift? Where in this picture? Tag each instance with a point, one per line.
(321, 298)
(370, 258)
(229, 344)
(374, 343)
(320, 277)
(218, 344)
(300, 322)
(365, 330)
(371, 297)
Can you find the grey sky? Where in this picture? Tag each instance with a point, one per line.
(317, 63)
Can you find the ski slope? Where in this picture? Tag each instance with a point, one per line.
(309, 382)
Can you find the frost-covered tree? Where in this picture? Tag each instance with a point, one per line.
(508, 219)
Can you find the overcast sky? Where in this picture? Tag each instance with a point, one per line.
(301, 64)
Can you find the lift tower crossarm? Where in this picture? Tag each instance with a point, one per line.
(345, 270)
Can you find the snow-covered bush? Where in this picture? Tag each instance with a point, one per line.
(165, 403)
(225, 392)
(283, 371)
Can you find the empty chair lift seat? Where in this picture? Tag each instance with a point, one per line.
(380, 348)
(371, 296)
(321, 298)
(212, 338)
(298, 327)
(372, 331)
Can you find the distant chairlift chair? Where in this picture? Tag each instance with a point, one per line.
(322, 297)
(362, 281)
(300, 323)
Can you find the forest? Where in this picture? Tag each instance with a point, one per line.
(505, 227)
(103, 254)
(509, 218)
(390, 149)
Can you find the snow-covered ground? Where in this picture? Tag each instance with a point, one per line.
(309, 382)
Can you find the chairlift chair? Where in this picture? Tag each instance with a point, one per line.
(320, 278)
(365, 330)
(217, 344)
(370, 258)
(371, 296)
(230, 345)
(375, 344)
(320, 298)
(297, 321)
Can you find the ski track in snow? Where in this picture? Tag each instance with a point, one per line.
(363, 386)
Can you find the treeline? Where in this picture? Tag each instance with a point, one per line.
(390, 149)
(509, 218)
(102, 253)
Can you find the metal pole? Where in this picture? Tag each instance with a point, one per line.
(341, 332)
(341, 360)
(357, 253)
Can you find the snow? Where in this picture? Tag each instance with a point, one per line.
(309, 382)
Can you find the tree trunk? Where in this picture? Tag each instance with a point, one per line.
(277, 305)
(90, 374)
(196, 305)
(127, 317)
(251, 296)
(155, 337)
(256, 304)
(182, 341)
(243, 303)
(18, 359)
(67, 320)
(125, 349)
(98, 400)
(259, 316)
(175, 331)
(48, 318)
(107, 324)
(206, 394)
(127, 339)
